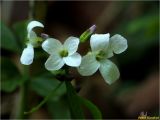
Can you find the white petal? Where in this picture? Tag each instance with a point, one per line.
(71, 44)
(108, 51)
(51, 45)
(31, 35)
(109, 71)
(99, 41)
(73, 60)
(89, 65)
(27, 55)
(33, 24)
(54, 62)
(118, 44)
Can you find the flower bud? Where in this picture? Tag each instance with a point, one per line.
(85, 35)
(44, 36)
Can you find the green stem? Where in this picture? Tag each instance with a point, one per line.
(22, 104)
(31, 9)
(44, 100)
(24, 87)
(23, 95)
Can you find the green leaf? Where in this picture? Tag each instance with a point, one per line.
(49, 95)
(93, 108)
(59, 109)
(142, 33)
(8, 40)
(10, 76)
(73, 101)
(20, 29)
(42, 85)
(11, 85)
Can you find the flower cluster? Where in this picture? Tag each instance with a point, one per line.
(102, 47)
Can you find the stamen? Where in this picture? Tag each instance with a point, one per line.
(63, 53)
(100, 55)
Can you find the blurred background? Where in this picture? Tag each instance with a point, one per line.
(136, 91)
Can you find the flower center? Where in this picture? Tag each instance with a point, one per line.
(36, 41)
(64, 53)
(100, 55)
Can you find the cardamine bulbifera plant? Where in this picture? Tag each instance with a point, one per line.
(102, 47)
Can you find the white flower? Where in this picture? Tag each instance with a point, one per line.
(102, 48)
(61, 54)
(28, 53)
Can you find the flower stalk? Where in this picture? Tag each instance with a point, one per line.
(22, 103)
(24, 87)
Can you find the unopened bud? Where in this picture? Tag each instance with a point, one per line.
(85, 35)
(92, 28)
(44, 36)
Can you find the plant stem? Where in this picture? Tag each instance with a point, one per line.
(31, 9)
(22, 104)
(23, 95)
(24, 87)
(44, 100)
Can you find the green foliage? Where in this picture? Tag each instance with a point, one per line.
(147, 23)
(20, 29)
(93, 108)
(47, 97)
(76, 102)
(147, 27)
(59, 109)
(14, 39)
(8, 41)
(142, 34)
(43, 85)
(73, 101)
(10, 76)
